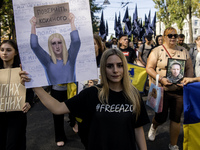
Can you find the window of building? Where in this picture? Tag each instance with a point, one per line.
(195, 31)
(195, 22)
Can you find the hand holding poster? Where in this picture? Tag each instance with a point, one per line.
(12, 92)
(51, 15)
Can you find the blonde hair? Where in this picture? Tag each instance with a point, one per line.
(65, 52)
(130, 92)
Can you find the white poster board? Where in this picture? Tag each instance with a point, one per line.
(85, 67)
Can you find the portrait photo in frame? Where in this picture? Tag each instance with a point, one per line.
(175, 70)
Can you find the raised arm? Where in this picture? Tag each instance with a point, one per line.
(51, 103)
(72, 18)
(33, 25)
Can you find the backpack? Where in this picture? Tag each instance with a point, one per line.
(152, 47)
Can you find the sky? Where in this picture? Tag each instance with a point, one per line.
(116, 6)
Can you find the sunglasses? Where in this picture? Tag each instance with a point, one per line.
(172, 35)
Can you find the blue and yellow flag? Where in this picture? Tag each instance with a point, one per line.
(138, 76)
(191, 126)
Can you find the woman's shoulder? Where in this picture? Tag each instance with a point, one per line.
(91, 89)
(183, 51)
(157, 49)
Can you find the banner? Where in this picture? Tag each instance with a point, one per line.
(138, 76)
(191, 126)
(12, 92)
(55, 41)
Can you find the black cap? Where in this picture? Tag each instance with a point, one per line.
(149, 37)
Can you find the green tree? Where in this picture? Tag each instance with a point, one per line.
(176, 11)
(197, 13)
(163, 13)
(7, 20)
(95, 8)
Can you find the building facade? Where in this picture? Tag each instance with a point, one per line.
(160, 27)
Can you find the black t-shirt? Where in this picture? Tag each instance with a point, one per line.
(111, 125)
(130, 54)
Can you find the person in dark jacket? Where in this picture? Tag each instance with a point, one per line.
(13, 124)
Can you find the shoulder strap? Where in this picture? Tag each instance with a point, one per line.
(143, 49)
(167, 51)
(152, 47)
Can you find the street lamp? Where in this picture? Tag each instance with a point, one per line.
(106, 2)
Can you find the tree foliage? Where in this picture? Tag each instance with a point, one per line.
(163, 13)
(176, 11)
(95, 8)
(7, 18)
(197, 12)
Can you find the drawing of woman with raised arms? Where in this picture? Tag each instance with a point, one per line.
(60, 63)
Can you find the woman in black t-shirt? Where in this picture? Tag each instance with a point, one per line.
(113, 109)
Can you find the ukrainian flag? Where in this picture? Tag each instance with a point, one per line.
(191, 126)
(138, 76)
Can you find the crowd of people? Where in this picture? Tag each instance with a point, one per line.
(101, 104)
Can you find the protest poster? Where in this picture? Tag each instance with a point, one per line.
(78, 61)
(12, 92)
(51, 15)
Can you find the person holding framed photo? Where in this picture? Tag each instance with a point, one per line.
(173, 93)
(175, 73)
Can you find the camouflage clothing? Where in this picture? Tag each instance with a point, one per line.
(185, 46)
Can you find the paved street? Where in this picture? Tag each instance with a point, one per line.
(40, 132)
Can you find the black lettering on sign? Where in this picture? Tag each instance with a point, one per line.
(51, 15)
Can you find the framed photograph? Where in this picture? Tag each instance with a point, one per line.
(175, 70)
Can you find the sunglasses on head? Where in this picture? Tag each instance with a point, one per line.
(172, 35)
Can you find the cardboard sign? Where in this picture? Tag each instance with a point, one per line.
(12, 92)
(51, 15)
